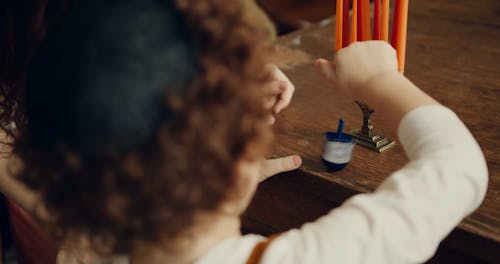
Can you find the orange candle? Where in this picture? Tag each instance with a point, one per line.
(366, 20)
(338, 26)
(345, 23)
(354, 21)
(401, 42)
(359, 24)
(395, 24)
(376, 20)
(384, 30)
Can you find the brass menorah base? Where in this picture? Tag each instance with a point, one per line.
(375, 143)
(365, 136)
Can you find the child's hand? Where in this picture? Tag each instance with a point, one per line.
(282, 90)
(357, 64)
(270, 167)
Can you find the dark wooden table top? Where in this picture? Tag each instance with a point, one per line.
(453, 54)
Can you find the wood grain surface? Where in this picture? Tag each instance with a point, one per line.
(453, 54)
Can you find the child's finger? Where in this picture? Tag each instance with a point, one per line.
(271, 167)
(285, 97)
(327, 69)
(271, 120)
(274, 88)
(271, 94)
(270, 101)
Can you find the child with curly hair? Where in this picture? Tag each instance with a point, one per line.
(146, 132)
(201, 93)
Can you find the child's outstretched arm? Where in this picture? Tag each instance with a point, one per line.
(367, 71)
(409, 214)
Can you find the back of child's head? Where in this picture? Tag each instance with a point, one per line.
(137, 114)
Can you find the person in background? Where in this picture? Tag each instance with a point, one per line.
(23, 24)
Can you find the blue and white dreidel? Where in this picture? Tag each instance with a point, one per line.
(337, 151)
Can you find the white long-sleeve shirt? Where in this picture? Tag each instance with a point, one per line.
(407, 216)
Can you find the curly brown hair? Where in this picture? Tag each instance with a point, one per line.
(150, 193)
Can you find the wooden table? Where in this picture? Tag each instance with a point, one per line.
(453, 54)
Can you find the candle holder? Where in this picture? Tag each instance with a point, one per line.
(365, 136)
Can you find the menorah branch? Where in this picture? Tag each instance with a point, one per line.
(365, 136)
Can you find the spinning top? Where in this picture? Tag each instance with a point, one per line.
(337, 151)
